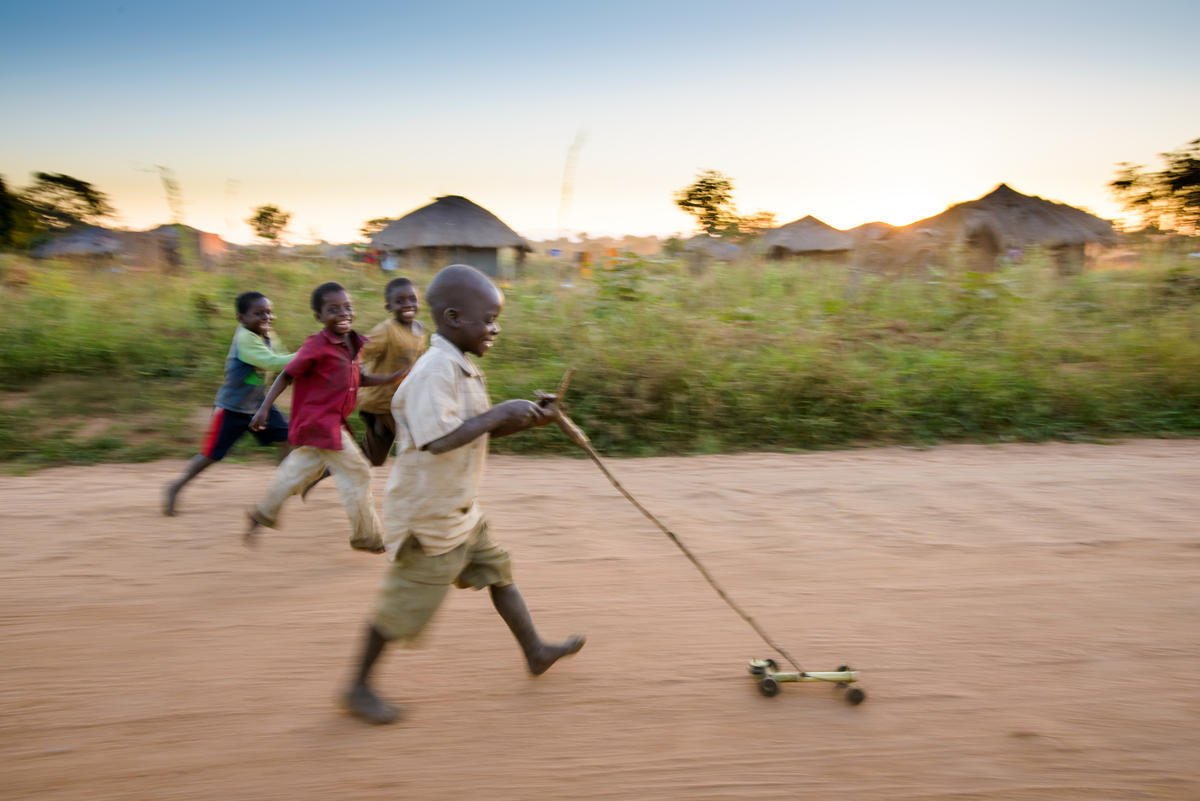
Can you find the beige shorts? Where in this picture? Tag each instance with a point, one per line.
(415, 584)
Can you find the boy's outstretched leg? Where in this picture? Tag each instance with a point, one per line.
(293, 473)
(195, 466)
(360, 699)
(352, 474)
(539, 655)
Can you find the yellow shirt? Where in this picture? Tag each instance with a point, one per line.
(432, 496)
(392, 347)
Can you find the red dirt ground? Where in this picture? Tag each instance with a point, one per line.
(1024, 618)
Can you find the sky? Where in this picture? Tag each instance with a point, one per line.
(342, 112)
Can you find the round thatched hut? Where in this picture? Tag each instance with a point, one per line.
(89, 242)
(1005, 222)
(451, 230)
(807, 237)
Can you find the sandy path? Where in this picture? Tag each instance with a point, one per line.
(1025, 618)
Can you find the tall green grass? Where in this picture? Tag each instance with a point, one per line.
(754, 356)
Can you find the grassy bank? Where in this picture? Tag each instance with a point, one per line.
(119, 367)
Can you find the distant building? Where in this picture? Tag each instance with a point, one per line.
(1002, 224)
(165, 248)
(806, 237)
(451, 230)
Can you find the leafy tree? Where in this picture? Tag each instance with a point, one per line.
(1168, 199)
(757, 223)
(11, 211)
(269, 222)
(374, 226)
(58, 201)
(710, 200)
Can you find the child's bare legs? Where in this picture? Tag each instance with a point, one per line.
(195, 466)
(360, 699)
(539, 655)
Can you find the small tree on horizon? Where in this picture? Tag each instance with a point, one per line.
(1168, 199)
(710, 200)
(269, 222)
(374, 226)
(59, 201)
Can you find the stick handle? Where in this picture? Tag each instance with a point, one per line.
(576, 435)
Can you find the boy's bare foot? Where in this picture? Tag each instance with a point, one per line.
(169, 496)
(541, 660)
(361, 702)
(372, 546)
(253, 524)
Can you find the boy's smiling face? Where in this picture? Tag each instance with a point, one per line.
(403, 303)
(472, 323)
(258, 317)
(337, 313)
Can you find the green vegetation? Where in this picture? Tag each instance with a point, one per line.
(121, 367)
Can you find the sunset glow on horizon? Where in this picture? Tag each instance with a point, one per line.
(855, 114)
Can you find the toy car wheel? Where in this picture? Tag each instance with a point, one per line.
(843, 668)
(855, 696)
(768, 686)
(756, 668)
(771, 664)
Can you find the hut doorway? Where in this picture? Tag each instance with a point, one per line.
(982, 249)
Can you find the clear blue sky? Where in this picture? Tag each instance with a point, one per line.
(344, 111)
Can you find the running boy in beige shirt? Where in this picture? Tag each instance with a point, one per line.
(434, 531)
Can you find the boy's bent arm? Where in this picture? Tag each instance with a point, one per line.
(259, 421)
(252, 349)
(389, 378)
(499, 421)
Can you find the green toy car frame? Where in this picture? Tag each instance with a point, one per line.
(769, 677)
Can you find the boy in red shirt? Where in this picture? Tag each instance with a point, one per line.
(327, 372)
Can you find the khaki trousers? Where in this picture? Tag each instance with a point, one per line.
(352, 474)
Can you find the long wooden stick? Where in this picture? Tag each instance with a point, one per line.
(576, 435)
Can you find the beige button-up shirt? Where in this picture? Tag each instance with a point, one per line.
(433, 496)
(391, 347)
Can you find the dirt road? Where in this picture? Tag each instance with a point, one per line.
(1025, 618)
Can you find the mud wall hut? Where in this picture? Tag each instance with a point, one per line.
(1003, 224)
(451, 230)
(90, 244)
(168, 247)
(807, 237)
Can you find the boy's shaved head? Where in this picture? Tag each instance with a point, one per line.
(458, 285)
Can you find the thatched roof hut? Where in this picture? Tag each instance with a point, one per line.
(872, 245)
(167, 247)
(452, 229)
(807, 236)
(89, 241)
(702, 250)
(712, 247)
(1005, 222)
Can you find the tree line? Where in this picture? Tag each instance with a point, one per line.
(55, 203)
(1165, 200)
